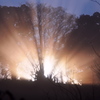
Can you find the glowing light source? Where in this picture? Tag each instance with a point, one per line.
(49, 63)
(25, 70)
(27, 34)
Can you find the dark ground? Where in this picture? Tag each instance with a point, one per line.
(46, 90)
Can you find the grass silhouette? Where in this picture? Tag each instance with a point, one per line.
(46, 90)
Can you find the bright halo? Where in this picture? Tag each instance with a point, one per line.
(49, 63)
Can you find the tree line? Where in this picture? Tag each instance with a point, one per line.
(47, 28)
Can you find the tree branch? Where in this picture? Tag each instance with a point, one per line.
(95, 51)
(96, 2)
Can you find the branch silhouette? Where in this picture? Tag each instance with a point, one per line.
(96, 2)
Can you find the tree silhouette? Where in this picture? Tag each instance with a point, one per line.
(85, 38)
(47, 27)
(51, 25)
(96, 1)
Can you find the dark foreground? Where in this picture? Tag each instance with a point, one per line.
(46, 90)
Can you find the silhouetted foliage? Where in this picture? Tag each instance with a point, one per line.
(40, 24)
(7, 95)
(87, 29)
(27, 90)
(86, 37)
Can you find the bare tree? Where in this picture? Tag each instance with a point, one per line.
(96, 2)
(96, 66)
(45, 26)
(50, 27)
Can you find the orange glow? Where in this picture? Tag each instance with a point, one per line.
(23, 44)
(49, 63)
